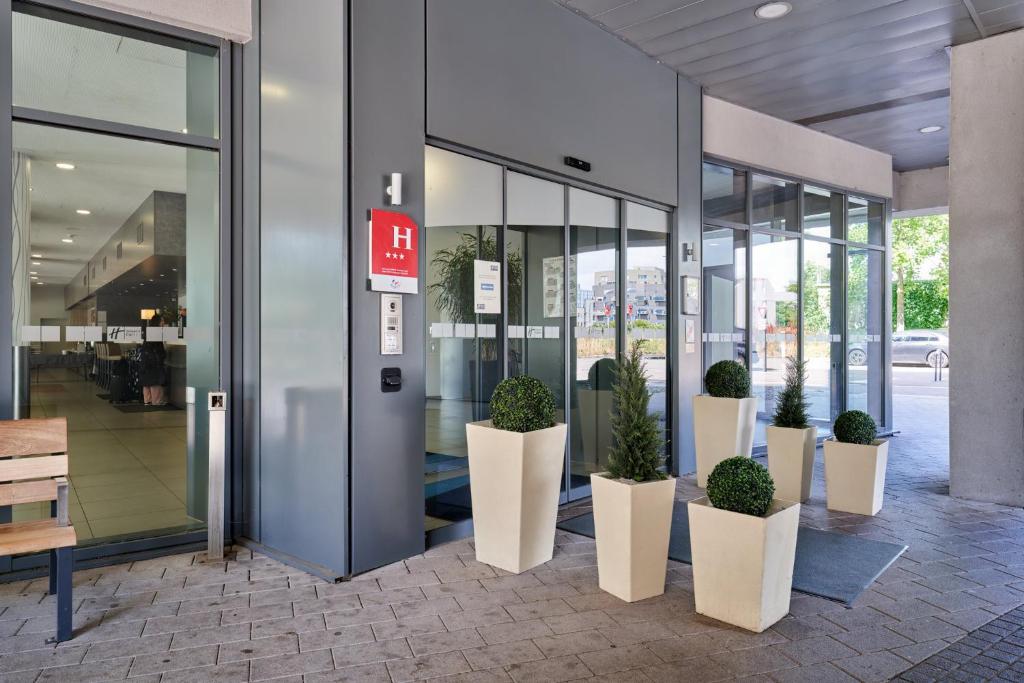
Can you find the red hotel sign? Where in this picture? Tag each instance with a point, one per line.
(394, 252)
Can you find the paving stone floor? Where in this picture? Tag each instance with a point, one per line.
(443, 614)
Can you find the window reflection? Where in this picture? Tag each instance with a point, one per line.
(725, 193)
(724, 256)
(774, 203)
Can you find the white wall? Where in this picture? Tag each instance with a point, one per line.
(923, 192)
(231, 19)
(749, 137)
(47, 302)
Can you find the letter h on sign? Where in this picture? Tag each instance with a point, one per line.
(394, 252)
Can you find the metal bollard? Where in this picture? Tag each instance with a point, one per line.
(217, 405)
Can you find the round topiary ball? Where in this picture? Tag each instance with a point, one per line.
(522, 404)
(855, 426)
(727, 379)
(601, 376)
(741, 485)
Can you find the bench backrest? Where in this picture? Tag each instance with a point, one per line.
(32, 454)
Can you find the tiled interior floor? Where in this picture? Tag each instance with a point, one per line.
(128, 470)
(443, 615)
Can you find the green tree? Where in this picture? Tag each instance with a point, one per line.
(914, 241)
(636, 453)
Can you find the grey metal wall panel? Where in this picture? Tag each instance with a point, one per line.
(531, 81)
(688, 373)
(303, 395)
(387, 98)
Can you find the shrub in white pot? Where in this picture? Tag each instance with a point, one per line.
(743, 543)
(855, 463)
(791, 440)
(724, 419)
(515, 474)
(595, 405)
(633, 499)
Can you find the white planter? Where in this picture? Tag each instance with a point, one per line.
(855, 476)
(791, 461)
(632, 523)
(743, 565)
(595, 410)
(722, 428)
(514, 479)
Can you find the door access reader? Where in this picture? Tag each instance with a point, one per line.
(391, 324)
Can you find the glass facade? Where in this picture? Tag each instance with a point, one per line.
(567, 313)
(812, 287)
(116, 264)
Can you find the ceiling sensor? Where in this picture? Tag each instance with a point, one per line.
(929, 129)
(773, 10)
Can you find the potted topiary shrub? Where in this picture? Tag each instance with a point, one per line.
(855, 464)
(743, 543)
(791, 441)
(515, 471)
(633, 499)
(595, 405)
(723, 420)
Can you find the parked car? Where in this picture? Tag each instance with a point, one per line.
(911, 347)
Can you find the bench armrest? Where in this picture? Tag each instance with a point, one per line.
(63, 518)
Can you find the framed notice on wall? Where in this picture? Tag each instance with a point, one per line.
(691, 295)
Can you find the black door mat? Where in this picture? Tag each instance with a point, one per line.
(828, 564)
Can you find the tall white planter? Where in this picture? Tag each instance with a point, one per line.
(791, 461)
(514, 479)
(595, 410)
(632, 524)
(722, 428)
(855, 476)
(742, 564)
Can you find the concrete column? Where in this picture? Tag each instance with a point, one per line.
(987, 270)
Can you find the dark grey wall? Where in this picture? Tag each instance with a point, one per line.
(387, 98)
(303, 464)
(687, 375)
(531, 81)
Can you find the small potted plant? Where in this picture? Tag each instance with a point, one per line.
(743, 543)
(515, 472)
(595, 405)
(724, 420)
(633, 499)
(791, 441)
(855, 464)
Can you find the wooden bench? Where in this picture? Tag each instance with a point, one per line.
(34, 468)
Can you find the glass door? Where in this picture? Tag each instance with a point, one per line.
(822, 323)
(594, 306)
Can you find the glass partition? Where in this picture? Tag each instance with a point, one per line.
(647, 312)
(822, 329)
(774, 296)
(865, 304)
(463, 210)
(823, 213)
(774, 203)
(725, 193)
(724, 255)
(865, 222)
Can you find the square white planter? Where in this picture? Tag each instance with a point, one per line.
(791, 461)
(632, 524)
(722, 428)
(514, 479)
(855, 476)
(742, 564)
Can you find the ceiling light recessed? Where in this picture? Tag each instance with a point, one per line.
(773, 10)
(32, 272)
(185, 131)
(68, 240)
(929, 129)
(36, 263)
(37, 256)
(65, 166)
(83, 212)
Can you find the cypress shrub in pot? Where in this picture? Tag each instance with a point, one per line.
(855, 464)
(743, 543)
(791, 440)
(724, 418)
(515, 472)
(633, 499)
